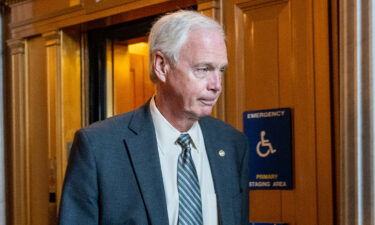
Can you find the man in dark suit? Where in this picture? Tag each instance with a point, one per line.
(168, 162)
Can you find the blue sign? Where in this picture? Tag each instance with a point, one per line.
(267, 224)
(269, 133)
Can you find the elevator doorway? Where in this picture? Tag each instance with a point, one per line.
(118, 80)
(131, 85)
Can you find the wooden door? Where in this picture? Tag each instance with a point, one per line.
(131, 84)
(278, 57)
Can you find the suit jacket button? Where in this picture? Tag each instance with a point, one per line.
(221, 153)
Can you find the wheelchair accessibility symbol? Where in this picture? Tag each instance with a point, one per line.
(264, 143)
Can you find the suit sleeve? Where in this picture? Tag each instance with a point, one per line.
(245, 182)
(79, 202)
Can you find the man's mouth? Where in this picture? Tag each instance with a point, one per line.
(208, 102)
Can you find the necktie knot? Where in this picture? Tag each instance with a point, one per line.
(184, 140)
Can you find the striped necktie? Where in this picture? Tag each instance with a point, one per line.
(190, 204)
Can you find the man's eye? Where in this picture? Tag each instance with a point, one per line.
(202, 69)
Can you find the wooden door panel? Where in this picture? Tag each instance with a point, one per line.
(123, 81)
(144, 88)
(265, 68)
(39, 173)
(132, 85)
(264, 54)
(272, 64)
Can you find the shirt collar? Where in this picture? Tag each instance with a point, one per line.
(166, 134)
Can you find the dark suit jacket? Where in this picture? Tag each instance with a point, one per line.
(114, 175)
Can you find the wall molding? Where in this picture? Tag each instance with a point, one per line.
(19, 180)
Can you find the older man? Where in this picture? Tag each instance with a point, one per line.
(168, 162)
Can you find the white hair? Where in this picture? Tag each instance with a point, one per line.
(169, 33)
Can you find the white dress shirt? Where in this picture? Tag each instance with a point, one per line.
(169, 150)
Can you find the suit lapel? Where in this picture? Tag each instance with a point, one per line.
(142, 147)
(219, 166)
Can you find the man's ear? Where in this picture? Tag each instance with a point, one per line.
(161, 66)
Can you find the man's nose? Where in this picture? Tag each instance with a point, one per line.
(215, 81)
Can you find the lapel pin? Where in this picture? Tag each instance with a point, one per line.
(221, 153)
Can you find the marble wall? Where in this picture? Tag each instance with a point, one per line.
(357, 106)
(2, 177)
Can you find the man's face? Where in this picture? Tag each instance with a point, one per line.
(195, 81)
